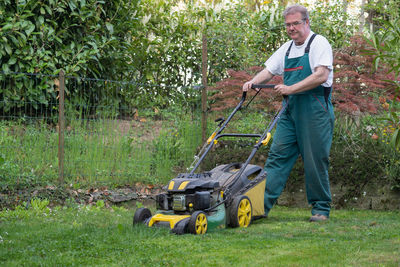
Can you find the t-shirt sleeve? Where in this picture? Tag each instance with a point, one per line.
(321, 53)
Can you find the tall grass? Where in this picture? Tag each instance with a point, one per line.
(28, 154)
(153, 149)
(97, 152)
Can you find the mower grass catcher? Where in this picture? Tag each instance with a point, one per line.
(228, 195)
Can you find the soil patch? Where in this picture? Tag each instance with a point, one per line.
(127, 196)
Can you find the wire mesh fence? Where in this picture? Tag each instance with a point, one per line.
(100, 133)
(94, 136)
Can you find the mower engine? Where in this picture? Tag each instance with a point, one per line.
(188, 195)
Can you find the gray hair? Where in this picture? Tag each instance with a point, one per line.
(297, 9)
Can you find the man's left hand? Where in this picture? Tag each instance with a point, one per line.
(283, 89)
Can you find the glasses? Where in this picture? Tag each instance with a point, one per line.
(294, 24)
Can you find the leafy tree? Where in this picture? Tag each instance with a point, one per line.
(379, 11)
(82, 37)
(330, 19)
(45, 36)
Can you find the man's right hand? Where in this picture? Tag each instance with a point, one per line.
(247, 86)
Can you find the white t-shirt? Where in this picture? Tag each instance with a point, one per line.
(320, 55)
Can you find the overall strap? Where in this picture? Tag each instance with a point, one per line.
(307, 50)
(288, 51)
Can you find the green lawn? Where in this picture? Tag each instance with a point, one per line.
(98, 236)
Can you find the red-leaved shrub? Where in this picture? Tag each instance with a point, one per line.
(356, 82)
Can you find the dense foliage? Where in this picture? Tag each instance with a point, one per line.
(154, 44)
(85, 38)
(77, 36)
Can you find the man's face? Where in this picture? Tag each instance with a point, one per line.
(297, 28)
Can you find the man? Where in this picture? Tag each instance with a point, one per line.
(306, 127)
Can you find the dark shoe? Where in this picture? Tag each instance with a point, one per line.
(318, 218)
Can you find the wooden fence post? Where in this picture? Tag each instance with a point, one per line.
(61, 126)
(204, 67)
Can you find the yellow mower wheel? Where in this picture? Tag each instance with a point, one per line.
(198, 223)
(240, 212)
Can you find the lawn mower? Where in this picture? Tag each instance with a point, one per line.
(228, 195)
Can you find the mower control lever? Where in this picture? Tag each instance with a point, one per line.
(221, 120)
(261, 86)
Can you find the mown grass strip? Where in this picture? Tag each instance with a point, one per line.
(96, 236)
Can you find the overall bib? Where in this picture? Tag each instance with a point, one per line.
(305, 128)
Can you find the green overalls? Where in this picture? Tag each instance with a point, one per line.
(305, 128)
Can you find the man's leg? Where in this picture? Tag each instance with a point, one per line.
(281, 158)
(315, 139)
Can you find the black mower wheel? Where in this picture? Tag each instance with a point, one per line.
(198, 223)
(240, 212)
(141, 215)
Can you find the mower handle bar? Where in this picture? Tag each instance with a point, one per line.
(259, 86)
(224, 123)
